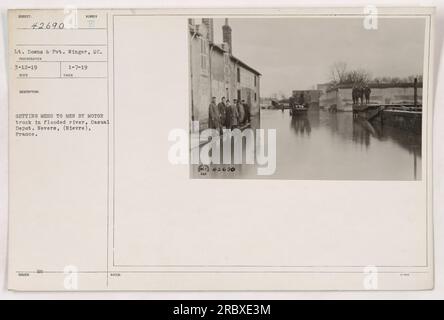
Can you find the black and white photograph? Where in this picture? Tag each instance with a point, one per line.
(222, 153)
(308, 98)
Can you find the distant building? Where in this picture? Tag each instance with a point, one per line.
(216, 72)
(340, 97)
(322, 87)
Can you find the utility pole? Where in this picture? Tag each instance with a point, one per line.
(415, 93)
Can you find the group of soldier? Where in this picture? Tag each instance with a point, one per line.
(359, 92)
(228, 115)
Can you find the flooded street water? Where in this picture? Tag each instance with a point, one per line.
(324, 145)
(332, 146)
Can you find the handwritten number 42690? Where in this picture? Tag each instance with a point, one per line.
(48, 25)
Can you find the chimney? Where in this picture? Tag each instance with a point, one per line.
(226, 35)
(208, 22)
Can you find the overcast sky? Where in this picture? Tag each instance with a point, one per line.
(296, 53)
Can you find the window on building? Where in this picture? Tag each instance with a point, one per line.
(204, 65)
(255, 81)
(238, 74)
(239, 96)
(255, 95)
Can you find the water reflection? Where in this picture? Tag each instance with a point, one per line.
(324, 145)
(335, 146)
(301, 124)
(409, 140)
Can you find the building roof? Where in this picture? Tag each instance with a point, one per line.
(217, 47)
(236, 60)
(244, 65)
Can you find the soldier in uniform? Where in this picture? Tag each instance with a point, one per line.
(228, 114)
(367, 92)
(361, 94)
(214, 115)
(241, 112)
(222, 111)
(355, 94)
(247, 111)
(234, 115)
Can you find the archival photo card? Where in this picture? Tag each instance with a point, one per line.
(220, 149)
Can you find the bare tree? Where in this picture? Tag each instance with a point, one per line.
(359, 76)
(340, 75)
(338, 72)
(397, 80)
(412, 78)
